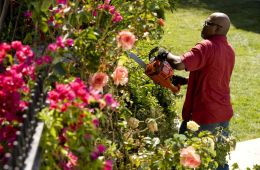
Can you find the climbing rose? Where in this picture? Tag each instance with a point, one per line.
(99, 80)
(120, 75)
(192, 126)
(188, 157)
(126, 40)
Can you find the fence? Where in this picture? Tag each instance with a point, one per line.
(25, 154)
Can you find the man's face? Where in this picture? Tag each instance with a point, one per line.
(209, 28)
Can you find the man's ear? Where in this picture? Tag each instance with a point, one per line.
(217, 30)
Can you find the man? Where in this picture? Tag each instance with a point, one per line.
(210, 64)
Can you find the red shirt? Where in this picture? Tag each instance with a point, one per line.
(210, 64)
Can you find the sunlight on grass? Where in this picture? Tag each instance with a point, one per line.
(182, 32)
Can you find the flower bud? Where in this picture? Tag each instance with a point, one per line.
(152, 125)
(133, 122)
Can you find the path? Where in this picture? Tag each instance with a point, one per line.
(246, 154)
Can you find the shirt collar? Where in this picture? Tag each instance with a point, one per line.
(218, 38)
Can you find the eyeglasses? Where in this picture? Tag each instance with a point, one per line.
(207, 23)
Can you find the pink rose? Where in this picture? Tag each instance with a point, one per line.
(120, 75)
(126, 40)
(189, 158)
(99, 80)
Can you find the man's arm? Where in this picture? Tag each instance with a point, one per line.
(175, 61)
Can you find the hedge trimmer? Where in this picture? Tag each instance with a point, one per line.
(160, 71)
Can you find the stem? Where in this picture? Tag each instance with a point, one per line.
(3, 13)
(16, 22)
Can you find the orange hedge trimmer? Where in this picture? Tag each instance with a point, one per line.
(160, 71)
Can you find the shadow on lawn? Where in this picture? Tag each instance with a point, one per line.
(244, 14)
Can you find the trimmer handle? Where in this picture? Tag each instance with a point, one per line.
(151, 53)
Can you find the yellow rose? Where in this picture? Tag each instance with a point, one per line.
(192, 126)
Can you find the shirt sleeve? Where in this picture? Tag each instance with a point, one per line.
(196, 58)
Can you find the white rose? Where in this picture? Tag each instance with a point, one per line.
(192, 126)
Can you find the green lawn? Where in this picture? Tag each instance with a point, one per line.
(182, 31)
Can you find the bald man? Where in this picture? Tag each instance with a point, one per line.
(210, 63)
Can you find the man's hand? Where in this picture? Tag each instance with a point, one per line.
(162, 54)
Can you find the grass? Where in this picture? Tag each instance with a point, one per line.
(182, 32)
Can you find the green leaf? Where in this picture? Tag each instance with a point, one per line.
(36, 6)
(44, 26)
(28, 38)
(45, 5)
(91, 35)
(59, 69)
(53, 132)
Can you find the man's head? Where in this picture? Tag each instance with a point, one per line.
(216, 24)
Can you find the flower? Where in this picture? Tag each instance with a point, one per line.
(192, 126)
(72, 159)
(117, 16)
(17, 45)
(120, 75)
(126, 40)
(101, 148)
(110, 101)
(152, 125)
(5, 47)
(161, 22)
(133, 122)
(107, 2)
(99, 80)
(52, 47)
(61, 1)
(69, 42)
(28, 14)
(189, 158)
(60, 42)
(2, 55)
(95, 122)
(108, 165)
